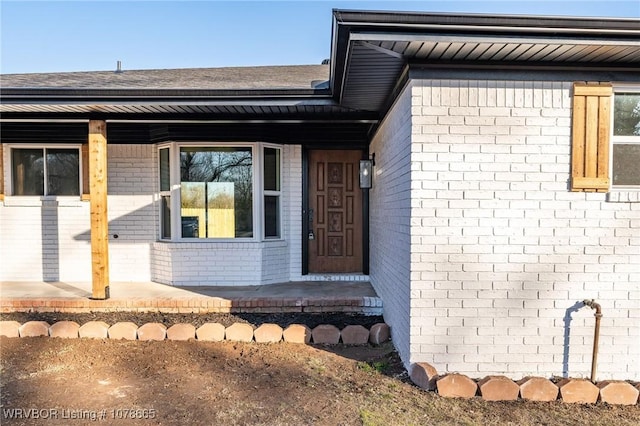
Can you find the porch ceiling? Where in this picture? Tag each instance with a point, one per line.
(372, 49)
(325, 133)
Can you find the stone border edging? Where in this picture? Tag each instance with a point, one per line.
(501, 388)
(212, 332)
(424, 375)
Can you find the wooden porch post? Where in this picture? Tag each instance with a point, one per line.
(99, 220)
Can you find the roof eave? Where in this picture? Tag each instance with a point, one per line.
(371, 28)
(532, 24)
(97, 94)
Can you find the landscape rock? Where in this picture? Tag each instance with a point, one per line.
(152, 331)
(456, 386)
(239, 332)
(355, 335)
(578, 391)
(210, 332)
(326, 334)
(538, 389)
(498, 388)
(618, 392)
(123, 330)
(94, 330)
(10, 328)
(64, 329)
(181, 332)
(268, 333)
(34, 329)
(424, 375)
(379, 333)
(297, 333)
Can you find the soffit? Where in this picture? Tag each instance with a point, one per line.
(373, 48)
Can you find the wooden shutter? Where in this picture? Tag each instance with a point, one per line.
(590, 137)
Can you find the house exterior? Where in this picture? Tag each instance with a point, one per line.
(505, 186)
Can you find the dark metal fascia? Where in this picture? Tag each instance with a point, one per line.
(156, 94)
(470, 22)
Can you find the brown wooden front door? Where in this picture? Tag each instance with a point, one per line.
(335, 210)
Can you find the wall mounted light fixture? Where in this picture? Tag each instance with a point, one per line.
(366, 172)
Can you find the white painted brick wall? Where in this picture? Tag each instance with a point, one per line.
(390, 225)
(65, 252)
(502, 254)
(292, 208)
(133, 213)
(210, 263)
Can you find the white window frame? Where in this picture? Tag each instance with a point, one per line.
(166, 193)
(258, 192)
(43, 147)
(270, 192)
(614, 140)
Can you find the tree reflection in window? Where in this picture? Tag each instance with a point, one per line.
(58, 175)
(626, 139)
(626, 114)
(216, 192)
(63, 172)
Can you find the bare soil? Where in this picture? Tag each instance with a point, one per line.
(203, 383)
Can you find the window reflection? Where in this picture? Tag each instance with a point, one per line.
(58, 175)
(216, 191)
(626, 114)
(28, 171)
(63, 172)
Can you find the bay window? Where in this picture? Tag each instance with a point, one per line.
(219, 191)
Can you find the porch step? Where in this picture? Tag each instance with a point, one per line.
(367, 305)
(308, 297)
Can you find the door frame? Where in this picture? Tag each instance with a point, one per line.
(305, 207)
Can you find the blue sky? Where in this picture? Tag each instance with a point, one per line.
(57, 36)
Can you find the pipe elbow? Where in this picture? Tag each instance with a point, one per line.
(593, 305)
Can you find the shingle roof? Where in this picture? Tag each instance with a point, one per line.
(231, 78)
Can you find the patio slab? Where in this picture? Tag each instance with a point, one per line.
(295, 296)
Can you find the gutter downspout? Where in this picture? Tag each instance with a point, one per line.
(596, 335)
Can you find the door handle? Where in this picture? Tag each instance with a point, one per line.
(312, 236)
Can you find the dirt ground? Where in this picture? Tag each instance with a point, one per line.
(74, 381)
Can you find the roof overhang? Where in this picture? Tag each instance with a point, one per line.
(372, 55)
(372, 50)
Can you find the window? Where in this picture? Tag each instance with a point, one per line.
(165, 193)
(45, 171)
(626, 139)
(219, 192)
(271, 192)
(216, 192)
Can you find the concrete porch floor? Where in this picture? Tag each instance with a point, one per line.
(295, 296)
